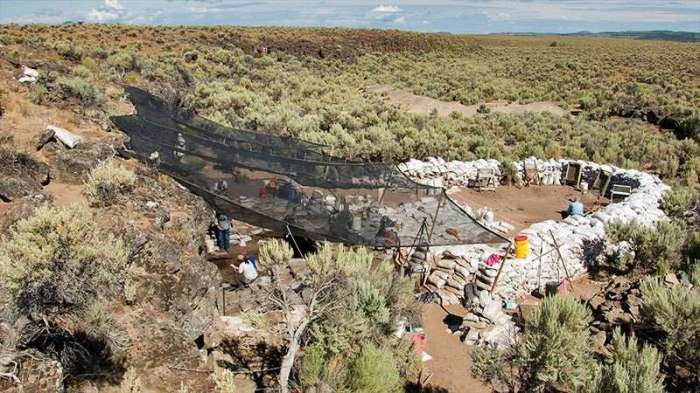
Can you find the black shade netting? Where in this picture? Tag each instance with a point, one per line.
(317, 196)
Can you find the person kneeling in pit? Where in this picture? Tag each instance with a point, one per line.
(575, 208)
(247, 271)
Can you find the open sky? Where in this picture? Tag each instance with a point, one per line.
(455, 16)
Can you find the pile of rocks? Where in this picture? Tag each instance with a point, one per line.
(487, 323)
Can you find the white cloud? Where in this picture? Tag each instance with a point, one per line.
(400, 19)
(101, 16)
(114, 4)
(386, 9)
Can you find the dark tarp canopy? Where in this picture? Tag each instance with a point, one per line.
(281, 183)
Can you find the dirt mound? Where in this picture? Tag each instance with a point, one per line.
(421, 104)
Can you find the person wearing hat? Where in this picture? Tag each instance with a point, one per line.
(575, 208)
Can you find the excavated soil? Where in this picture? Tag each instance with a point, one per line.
(524, 206)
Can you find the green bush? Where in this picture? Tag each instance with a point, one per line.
(58, 262)
(275, 252)
(676, 313)
(679, 200)
(632, 370)
(68, 50)
(487, 361)
(655, 249)
(80, 89)
(374, 371)
(107, 182)
(555, 351)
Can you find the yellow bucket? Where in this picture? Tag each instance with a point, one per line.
(522, 247)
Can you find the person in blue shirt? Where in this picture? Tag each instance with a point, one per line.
(575, 208)
(223, 233)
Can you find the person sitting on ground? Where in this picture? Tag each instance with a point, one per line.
(223, 233)
(575, 208)
(247, 269)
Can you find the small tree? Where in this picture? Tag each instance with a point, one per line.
(320, 285)
(555, 352)
(631, 370)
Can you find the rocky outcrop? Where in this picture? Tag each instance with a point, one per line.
(20, 175)
(73, 165)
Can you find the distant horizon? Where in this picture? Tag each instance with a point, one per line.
(438, 16)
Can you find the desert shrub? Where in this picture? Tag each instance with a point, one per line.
(655, 249)
(632, 370)
(80, 89)
(675, 312)
(273, 252)
(122, 61)
(68, 50)
(225, 382)
(36, 95)
(255, 318)
(57, 262)
(692, 247)
(555, 349)
(311, 372)
(107, 181)
(374, 371)
(679, 200)
(695, 274)
(487, 361)
(131, 382)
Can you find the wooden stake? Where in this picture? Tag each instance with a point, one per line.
(437, 210)
(566, 271)
(503, 262)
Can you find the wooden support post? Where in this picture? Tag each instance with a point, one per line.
(500, 268)
(437, 210)
(561, 258)
(223, 301)
(294, 241)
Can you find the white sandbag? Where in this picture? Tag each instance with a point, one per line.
(448, 264)
(66, 137)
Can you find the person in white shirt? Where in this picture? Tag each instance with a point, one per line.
(246, 269)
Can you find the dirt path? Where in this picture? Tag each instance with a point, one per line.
(421, 104)
(522, 207)
(65, 194)
(451, 363)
